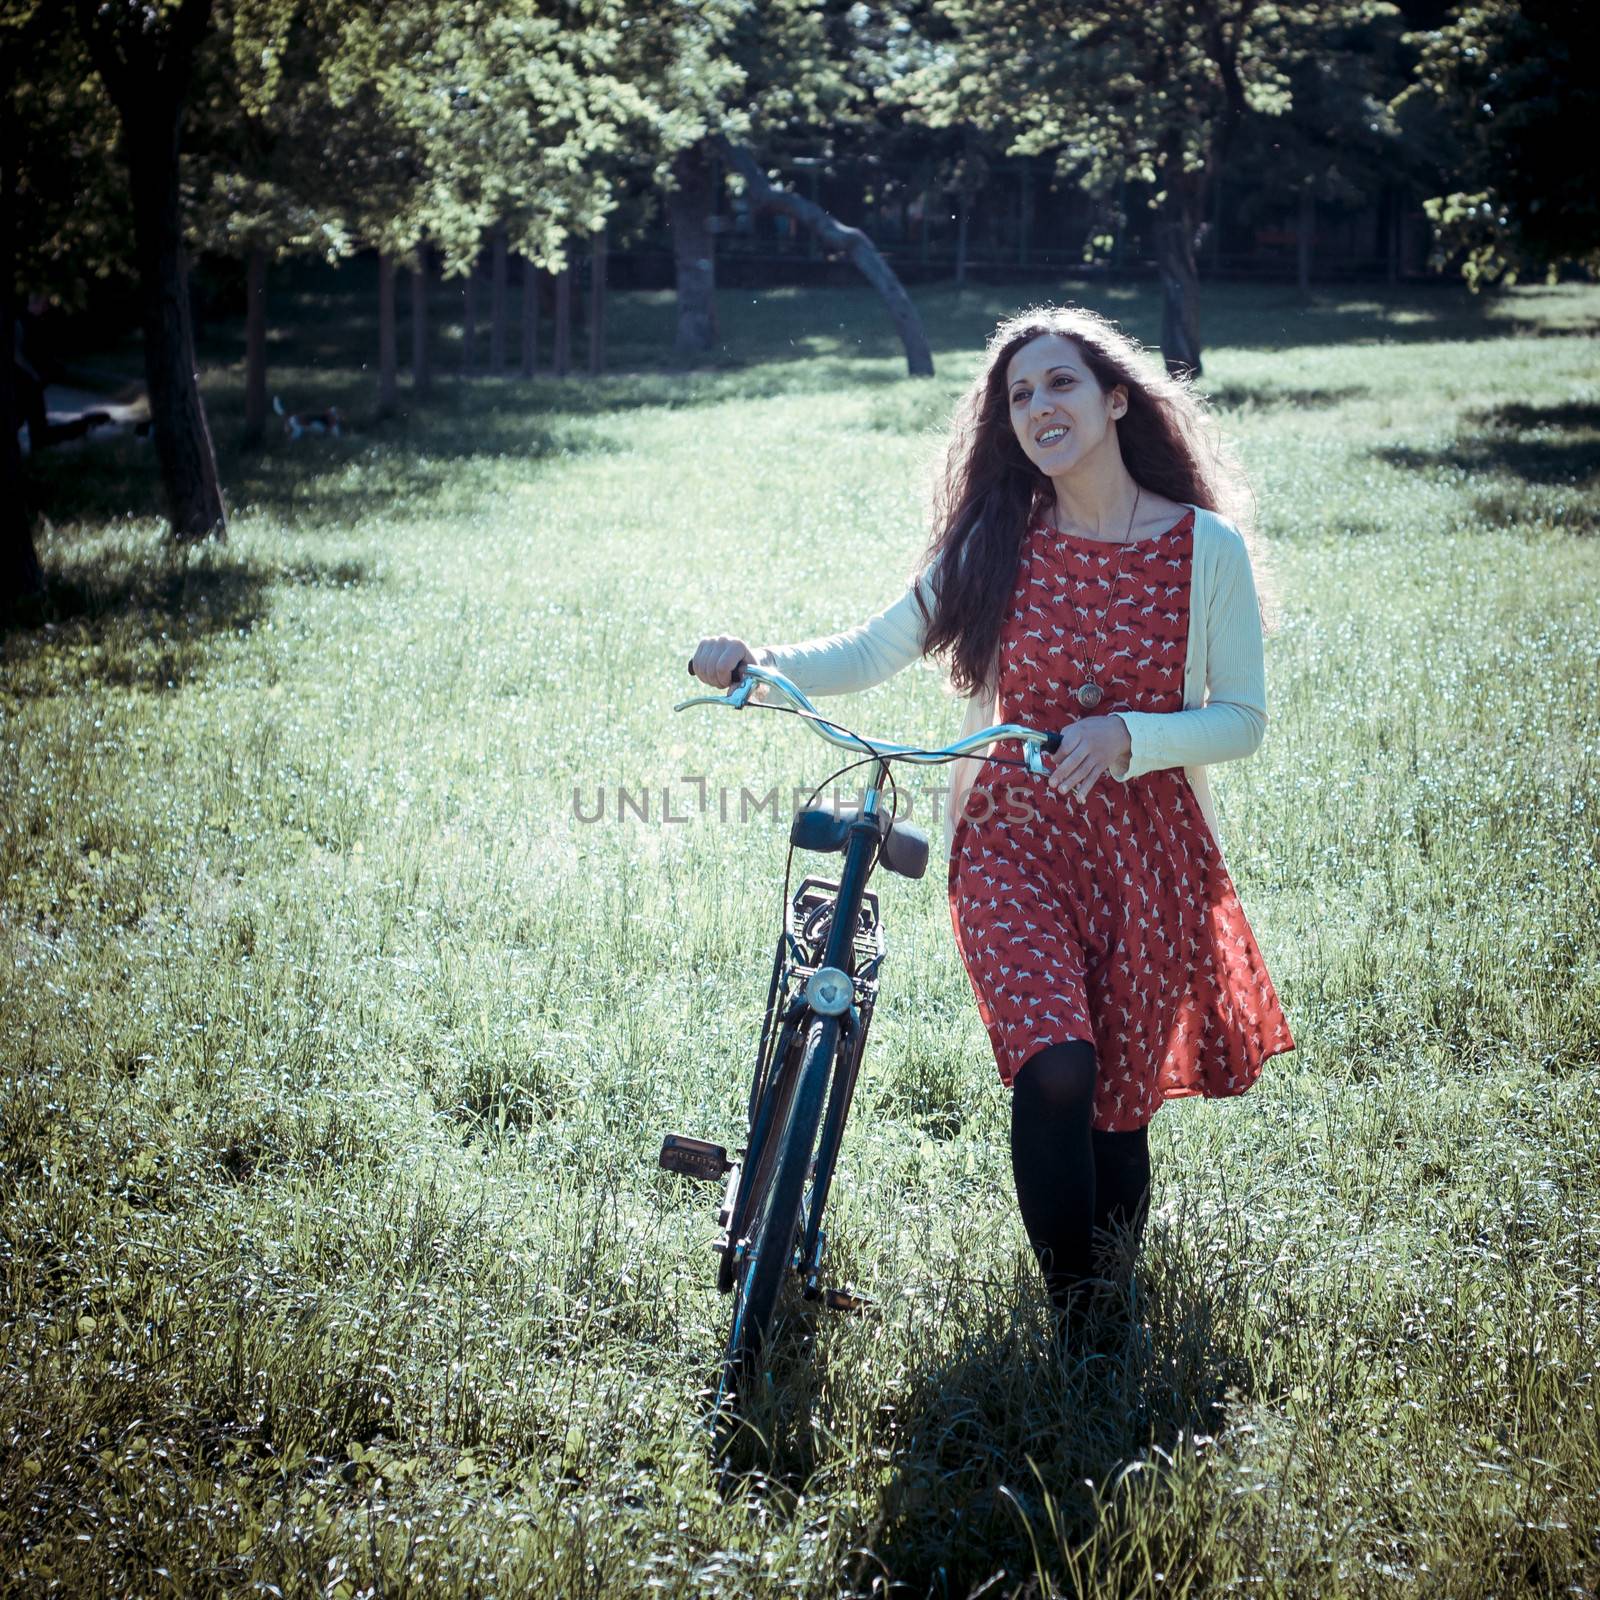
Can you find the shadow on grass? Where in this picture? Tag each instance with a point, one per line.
(1532, 460)
(773, 342)
(1275, 317)
(1550, 445)
(413, 459)
(145, 620)
(1510, 509)
(324, 320)
(1266, 397)
(991, 1448)
(1003, 1441)
(1573, 415)
(376, 466)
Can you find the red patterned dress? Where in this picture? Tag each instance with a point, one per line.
(1112, 919)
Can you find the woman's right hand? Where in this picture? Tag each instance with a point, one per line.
(717, 659)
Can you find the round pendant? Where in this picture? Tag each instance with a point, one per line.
(1089, 695)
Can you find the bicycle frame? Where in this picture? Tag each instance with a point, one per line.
(840, 955)
(784, 1033)
(834, 994)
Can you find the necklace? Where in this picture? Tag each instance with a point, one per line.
(1090, 694)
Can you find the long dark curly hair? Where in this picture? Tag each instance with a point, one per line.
(988, 490)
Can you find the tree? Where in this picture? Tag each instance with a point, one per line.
(60, 222)
(691, 204)
(1120, 92)
(453, 123)
(730, 82)
(678, 59)
(74, 224)
(259, 122)
(768, 196)
(1513, 80)
(20, 575)
(1338, 144)
(144, 55)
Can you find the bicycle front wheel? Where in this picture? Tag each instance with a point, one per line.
(775, 1217)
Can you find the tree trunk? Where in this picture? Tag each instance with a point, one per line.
(530, 317)
(561, 345)
(1213, 245)
(184, 451)
(1180, 281)
(469, 320)
(1304, 236)
(388, 362)
(963, 211)
(1394, 207)
(21, 577)
(597, 302)
(255, 348)
(690, 206)
(766, 195)
(145, 66)
(1024, 210)
(497, 303)
(421, 372)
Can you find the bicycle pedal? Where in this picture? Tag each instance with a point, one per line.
(846, 1300)
(694, 1158)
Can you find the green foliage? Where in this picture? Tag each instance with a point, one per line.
(323, 126)
(73, 222)
(258, 126)
(1148, 95)
(537, 114)
(462, 118)
(774, 75)
(1338, 137)
(1514, 80)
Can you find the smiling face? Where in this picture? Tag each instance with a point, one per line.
(1059, 412)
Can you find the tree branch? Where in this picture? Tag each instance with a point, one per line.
(183, 42)
(767, 196)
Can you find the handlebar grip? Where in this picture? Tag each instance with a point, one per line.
(1052, 744)
(738, 672)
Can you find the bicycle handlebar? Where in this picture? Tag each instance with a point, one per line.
(749, 675)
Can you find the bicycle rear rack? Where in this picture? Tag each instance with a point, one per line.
(806, 922)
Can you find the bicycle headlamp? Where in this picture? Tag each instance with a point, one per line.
(830, 991)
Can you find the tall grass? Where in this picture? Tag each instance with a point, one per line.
(338, 1048)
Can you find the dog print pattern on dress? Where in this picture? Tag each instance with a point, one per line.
(1112, 919)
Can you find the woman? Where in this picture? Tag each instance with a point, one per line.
(1084, 573)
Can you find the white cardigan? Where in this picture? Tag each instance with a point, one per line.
(1224, 675)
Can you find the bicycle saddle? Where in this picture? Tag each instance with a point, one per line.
(904, 849)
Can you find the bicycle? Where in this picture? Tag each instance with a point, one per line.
(819, 1007)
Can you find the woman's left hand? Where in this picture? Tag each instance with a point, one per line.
(1090, 747)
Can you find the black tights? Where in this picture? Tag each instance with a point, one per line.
(1073, 1182)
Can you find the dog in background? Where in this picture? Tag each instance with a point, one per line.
(297, 424)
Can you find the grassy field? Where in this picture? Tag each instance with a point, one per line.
(338, 1047)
